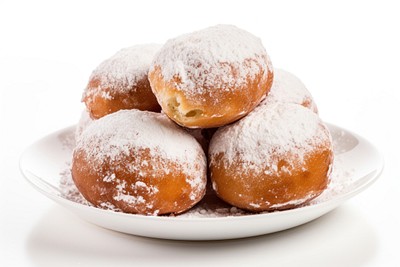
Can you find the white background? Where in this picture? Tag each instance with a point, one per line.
(346, 53)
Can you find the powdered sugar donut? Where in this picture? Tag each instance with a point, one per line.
(121, 82)
(139, 162)
(286, 87)
(211, 77)
(277, 157)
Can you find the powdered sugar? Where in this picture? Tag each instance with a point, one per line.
(294, 202)
(220, 57)
(288, 88)
(342, 181)
(203, 211)
(148, 147)
(124, 70)
(269, 133)
(67, 186)
(125, 131)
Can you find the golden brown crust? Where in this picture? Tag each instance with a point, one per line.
(278, 157)
(208, 110)
(277, 192)
(163, 193)
(139, 162)
(101, 101)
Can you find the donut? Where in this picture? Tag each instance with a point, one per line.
(278, 157)
(211, 77)
(121, 82)
(139, 162)
(286, 87)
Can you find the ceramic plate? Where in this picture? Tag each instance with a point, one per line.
(45, 165)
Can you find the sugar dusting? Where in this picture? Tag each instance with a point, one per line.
(272, 129)
(68, 189)
(220, 57)
(211, 207)
(341, 181)
(128, 130)
(122, 71)
(286, 87)
(145, 138)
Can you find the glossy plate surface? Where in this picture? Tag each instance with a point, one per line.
(357, 165)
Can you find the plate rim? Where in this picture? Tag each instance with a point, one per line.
(376, 173)
(334, 201)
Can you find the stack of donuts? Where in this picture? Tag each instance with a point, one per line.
(206, 108)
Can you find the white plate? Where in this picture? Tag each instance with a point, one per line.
(357, 165)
